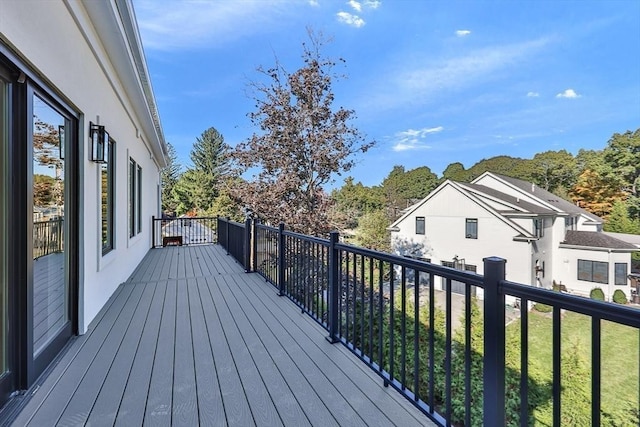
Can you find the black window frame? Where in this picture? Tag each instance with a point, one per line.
(107, 213)
(467, 223)
(623, 276)
(420, 225)
(586, 271)
(135, 198)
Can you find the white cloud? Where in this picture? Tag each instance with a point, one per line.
(355, 5)
(462, 33)
(418, 80)
(373, 4)
(413, 139)
(313, 2)
(349, 19)
(569, 93)
(532, 94)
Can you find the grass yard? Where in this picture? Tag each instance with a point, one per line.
(619, 359)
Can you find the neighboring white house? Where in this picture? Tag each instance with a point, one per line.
(544, 238)
(81, 148)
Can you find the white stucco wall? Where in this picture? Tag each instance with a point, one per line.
(445, 213)
(567, 270)
(60, 43)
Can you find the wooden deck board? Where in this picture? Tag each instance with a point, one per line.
(191, 339)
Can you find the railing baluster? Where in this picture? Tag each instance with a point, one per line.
(333, 287)
(403, 328)
(557, 367)
(431, 343)
(281, 258)
(447, 352)
(416, 337)
(595, 371)
(524, 362)
(467, 355)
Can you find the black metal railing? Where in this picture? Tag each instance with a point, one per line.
(48, 237)
(183, 231)
(436, 334)
(235, 237)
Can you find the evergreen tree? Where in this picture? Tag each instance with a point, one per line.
(210, 154)
(169, 176)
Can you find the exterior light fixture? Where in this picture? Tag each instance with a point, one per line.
(99, 143)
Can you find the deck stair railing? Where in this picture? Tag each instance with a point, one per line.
(442, 350)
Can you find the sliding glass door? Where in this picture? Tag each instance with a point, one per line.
(6, 377)
(50, 130)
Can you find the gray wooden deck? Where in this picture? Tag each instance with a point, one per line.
(190, 339)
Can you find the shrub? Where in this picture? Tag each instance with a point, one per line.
(619, 297)
(543, 308)
(596, 293)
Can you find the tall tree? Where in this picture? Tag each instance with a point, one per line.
(193, 192)
(622, 165)
(553, 170)
(595, 193)
(403, 188)
(302, 144)
(619, 220)
(169, 176)
(210, 154)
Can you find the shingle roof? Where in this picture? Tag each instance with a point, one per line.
(526, 206)
(548, 197)
(593, 239)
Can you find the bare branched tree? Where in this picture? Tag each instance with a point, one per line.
(303, 143)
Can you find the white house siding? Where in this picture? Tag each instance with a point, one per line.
(496, 184)
(567, 272)
(445, 212)
(61, 43)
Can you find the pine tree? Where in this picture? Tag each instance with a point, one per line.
(169, 176)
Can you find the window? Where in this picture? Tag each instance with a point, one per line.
(471, 228)
(570, 223)
(107, 187)
(538, 227)
(620, 273)
(593, 271)
(135, 198)
(419, 225)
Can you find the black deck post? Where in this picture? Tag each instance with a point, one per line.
(247, 245)
(226, 234)
(254, 248)
(334, 288)
(153, 231)
(281, 258)
(494, 342)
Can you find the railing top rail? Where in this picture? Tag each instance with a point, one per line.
(471, 278)
(590, 307)
(230, 222)
(173, 218)
(319, 240)
(267, 227)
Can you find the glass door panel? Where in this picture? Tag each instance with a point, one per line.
(50, 284)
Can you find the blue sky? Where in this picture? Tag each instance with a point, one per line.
(432, 82)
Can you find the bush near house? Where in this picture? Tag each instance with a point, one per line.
(619, 297)
(597, 293)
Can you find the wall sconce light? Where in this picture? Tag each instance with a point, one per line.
(99, 143)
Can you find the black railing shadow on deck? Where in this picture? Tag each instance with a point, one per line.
(382, 307)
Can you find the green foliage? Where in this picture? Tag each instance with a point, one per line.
(554, 169)
(622, 160)
(353, 200)
(619, 220)
(619, 297)
(372, 231)
(543, 308)
(194, 191)
(169, 177)
(210, 154)
(597, 294)
(403, 188)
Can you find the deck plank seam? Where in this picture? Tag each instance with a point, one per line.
(275, 364)
(350, 356)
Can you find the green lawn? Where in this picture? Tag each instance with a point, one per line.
(619, 358)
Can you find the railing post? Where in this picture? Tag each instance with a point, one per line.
(226, 233)
(334, 288)
(281, 258)
(254, 248)
(494, 342)
(247, 245)
(153, 231)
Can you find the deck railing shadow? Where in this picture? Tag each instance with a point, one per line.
(383, 308)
